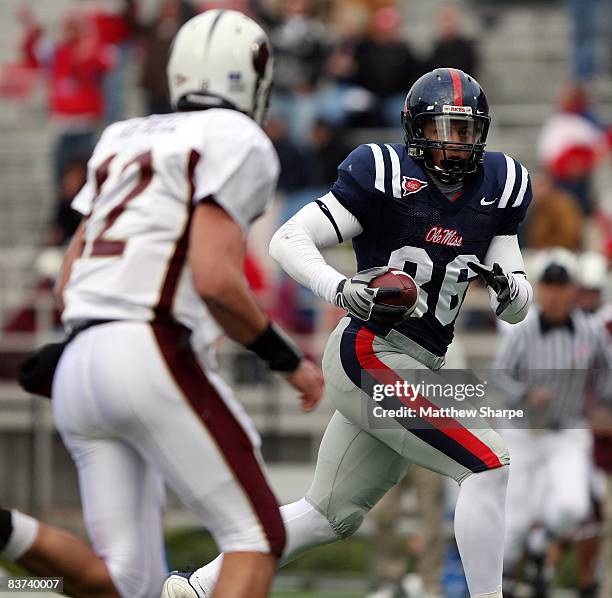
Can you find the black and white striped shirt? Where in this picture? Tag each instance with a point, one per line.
(567, 359)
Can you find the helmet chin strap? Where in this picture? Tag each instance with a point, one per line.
(454, 168)
(450, 172)
(202, 101)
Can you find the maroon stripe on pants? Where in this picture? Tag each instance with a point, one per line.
(228, 434)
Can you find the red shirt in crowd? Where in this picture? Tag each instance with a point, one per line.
(75, 68)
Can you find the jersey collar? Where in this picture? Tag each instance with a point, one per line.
(471, 184)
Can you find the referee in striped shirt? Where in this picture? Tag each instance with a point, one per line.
(544, 366)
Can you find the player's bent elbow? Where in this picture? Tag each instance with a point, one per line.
(212, 283)
(518, 314)
(515, 318)
(277, 244)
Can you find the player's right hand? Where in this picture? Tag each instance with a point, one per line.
(359, 300)
(503, 284)
(307, 379)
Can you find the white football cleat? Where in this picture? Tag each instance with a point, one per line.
(177, 586)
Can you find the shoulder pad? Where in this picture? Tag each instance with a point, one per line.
(360, 166)
(511, 176)
(376, 168)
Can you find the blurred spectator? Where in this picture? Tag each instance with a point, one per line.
(385, 66)
(555, 219)
(339, 101)
(300, 44)
(292, 162)
(76, 67)
(157, 38)
(592, 280)
(328, 149)
(584, 15)
(66, 220)
(17, 79)
(300, 50)
(116, 25)
(243, 6)
(451, 47)
(571, 143)
(604, 221)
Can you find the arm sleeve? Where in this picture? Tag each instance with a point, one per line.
(505, 250)
(295, 245)
(239, 174)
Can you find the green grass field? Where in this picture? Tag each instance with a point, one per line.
(316, 594)
(340, 570)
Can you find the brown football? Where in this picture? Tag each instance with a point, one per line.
(397, 279)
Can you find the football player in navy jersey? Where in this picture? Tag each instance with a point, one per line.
(445, 211)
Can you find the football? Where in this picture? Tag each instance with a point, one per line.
(398, 279)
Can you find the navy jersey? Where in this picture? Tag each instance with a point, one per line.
(409, 224)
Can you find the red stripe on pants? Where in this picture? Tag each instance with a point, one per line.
(364, 348)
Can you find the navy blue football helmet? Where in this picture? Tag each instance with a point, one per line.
(446, 120)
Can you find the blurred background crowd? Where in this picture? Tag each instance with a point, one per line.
(343, 67)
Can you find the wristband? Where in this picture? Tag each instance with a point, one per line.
(276, 350)
(6, 527)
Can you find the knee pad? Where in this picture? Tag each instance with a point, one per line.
(348, 520)
(345, 517)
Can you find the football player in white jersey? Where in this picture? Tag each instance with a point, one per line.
(167, 205)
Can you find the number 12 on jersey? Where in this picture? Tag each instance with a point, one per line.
(103, 246)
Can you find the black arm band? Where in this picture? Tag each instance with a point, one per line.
(6, 527)
(275, 350)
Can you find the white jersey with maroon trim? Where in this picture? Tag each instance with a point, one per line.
(144, 178)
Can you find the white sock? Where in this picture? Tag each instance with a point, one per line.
(305, 527)
(22, 537)
(479, 530)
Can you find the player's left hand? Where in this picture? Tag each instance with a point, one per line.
(361, 301)
(503, 284)
(307, 379)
